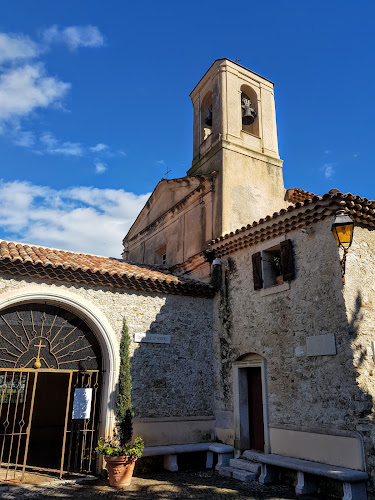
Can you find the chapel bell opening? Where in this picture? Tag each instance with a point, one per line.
(50, 385)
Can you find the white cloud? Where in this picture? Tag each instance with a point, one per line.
(74, 36)
(81, 218)
(160, 162)
(55, 147)
(23, 138)
(16, 47)
(99, 147)
(26, 88)
(355, 155)
(329, 170)
(100, 167)
(327, 152)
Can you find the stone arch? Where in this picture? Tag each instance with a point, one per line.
(206, 115)
(100, 326)
(249, 93)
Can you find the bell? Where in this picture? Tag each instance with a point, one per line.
(208, 120)
(248, 113)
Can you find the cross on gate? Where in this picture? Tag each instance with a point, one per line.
(37, 363)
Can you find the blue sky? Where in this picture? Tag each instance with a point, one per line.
(94, 103)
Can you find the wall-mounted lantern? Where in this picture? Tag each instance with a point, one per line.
(342, 230)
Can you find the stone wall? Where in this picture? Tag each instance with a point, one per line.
(359, 298)
(321, 394)
(169, 380)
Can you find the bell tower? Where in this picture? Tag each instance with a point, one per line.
(235, 134)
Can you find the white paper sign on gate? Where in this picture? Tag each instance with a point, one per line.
(82, 404)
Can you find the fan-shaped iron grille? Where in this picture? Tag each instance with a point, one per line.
(45, 336)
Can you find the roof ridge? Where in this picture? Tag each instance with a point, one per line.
(90, 268)
(60, 249)
(346, 199)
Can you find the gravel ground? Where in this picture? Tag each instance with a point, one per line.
(158, 486)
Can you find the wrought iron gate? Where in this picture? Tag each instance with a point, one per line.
(75, 442)
(50, 367)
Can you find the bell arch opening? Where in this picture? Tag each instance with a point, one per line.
(249, 109)
(206, 116)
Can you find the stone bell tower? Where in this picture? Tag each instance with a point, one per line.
(235, 134)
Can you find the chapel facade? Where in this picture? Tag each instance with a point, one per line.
(252, 333)
(293, 345)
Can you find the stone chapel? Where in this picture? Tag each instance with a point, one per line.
(253, 332)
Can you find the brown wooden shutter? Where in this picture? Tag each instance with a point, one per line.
(287, 260)
(257, 270)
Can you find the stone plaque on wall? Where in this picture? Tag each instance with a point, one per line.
(153, 338)
(321, 345)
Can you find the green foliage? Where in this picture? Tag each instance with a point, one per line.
(275, 263)
(123, 409)
(112, 448)
(120, 445)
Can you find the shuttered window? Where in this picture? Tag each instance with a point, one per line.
(257, 271)
(287, 260)
(282, 253)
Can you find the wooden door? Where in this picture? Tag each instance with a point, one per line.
(255, 399)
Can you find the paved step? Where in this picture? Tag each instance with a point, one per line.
(251, 455)
(239, 463)
(244, 475)
(241, 475)
(225, 471)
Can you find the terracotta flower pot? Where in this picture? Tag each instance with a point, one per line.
(279, 280)
(120, 470)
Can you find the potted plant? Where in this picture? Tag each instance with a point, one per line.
(275, 263)
(120, 453)
(120, 459)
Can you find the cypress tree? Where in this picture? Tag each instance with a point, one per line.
(124, 410)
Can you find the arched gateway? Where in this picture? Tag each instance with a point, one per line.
(50, 390)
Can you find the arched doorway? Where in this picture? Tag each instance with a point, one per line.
(251, 408)
(50, 385)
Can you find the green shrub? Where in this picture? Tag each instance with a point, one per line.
(120, 444)
(112, 448)
(123, 409)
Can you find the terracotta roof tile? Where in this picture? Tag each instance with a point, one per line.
(31, 260)
(295, 194)
(301, 214)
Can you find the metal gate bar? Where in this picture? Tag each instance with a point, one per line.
(65, 425)
(29, 427)
(21, 423)
(80, 450)
(14, 399)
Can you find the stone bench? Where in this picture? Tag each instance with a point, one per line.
(224, 453)
(354, 481)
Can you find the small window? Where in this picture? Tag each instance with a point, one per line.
(161, 255)
(273, 266)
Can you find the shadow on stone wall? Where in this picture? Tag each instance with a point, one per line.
(172, 375)
(362, 400)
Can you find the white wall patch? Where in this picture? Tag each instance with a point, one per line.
(153, 338)
(321, 345)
